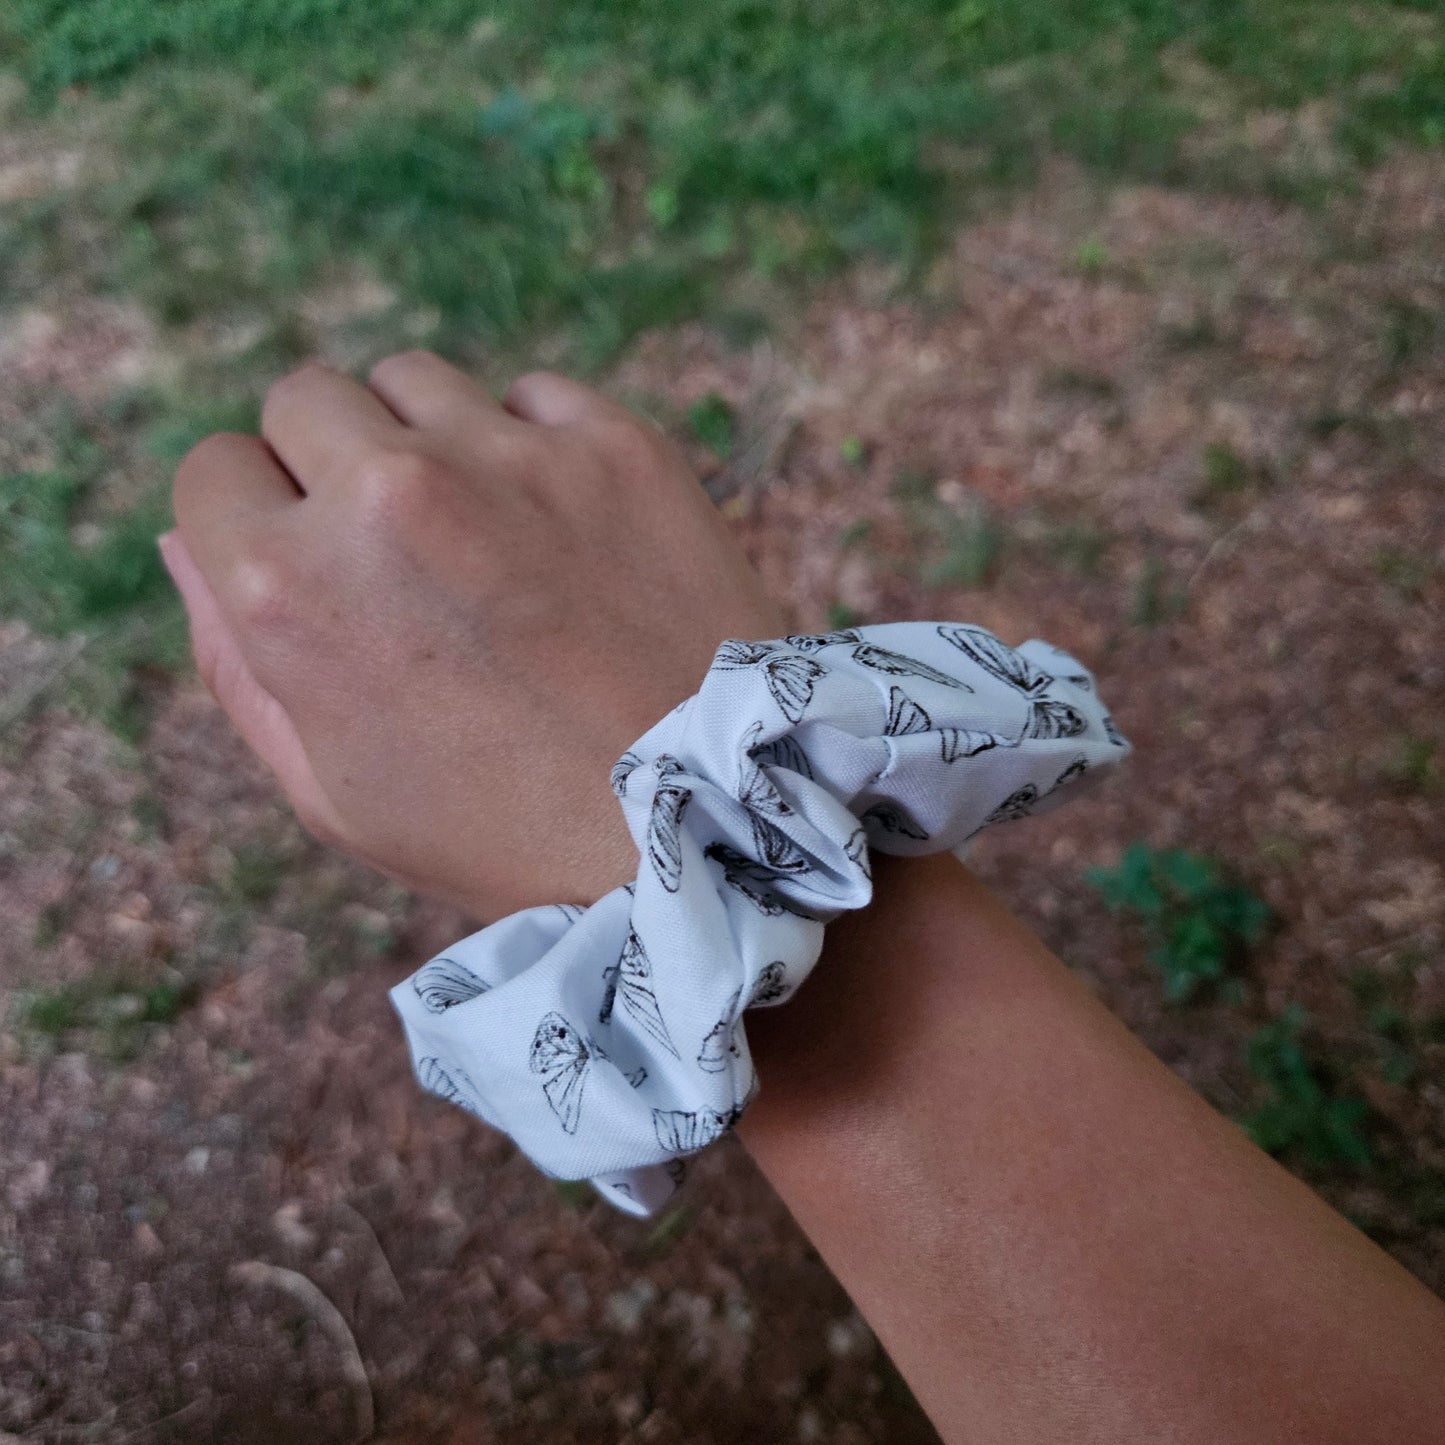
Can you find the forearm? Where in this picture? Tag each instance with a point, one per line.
(1053, 1236)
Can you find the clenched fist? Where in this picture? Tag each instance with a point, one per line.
(440, 619)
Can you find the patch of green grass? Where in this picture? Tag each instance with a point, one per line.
(583, 172)
(109, 1010)
(840, 617)
(713, 423)
(69, 566)
(1305, 1110)
(1200, 923)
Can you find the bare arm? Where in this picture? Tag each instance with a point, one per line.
(1054, 1237)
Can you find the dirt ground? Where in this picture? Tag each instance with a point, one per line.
(1266, 630)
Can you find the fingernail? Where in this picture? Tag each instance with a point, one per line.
(166, 542)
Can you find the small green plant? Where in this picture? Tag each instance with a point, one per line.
(1406, 572)
(714, 424)
(1078, 546)
(841, 616)
(1092, 256)
(109, 1008)
(973, 543)
(1304, 1110)
(1412, 765)
(1225, 474)
(1157, 599)
(854, 451)
(1200, 924)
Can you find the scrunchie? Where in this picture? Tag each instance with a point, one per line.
(608, 1041)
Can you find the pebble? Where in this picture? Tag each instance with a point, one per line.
(626, 1307)
(289, 1228)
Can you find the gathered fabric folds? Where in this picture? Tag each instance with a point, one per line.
(609, 1041)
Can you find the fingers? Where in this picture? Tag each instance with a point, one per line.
(427, 392)
(230, 492)
(551, 400)
(324, 426)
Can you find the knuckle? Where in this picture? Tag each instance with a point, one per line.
(401, 362)
(281, 390)
(263, 595)
(400, 484)
(632, 446)
(207, 455)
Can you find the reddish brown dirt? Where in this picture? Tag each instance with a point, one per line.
(1294, 651)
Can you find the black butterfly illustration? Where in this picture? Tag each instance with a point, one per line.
(775, 850)
(1081, 680)
(772, 986)
(790, 678)
(444, 983)
(630, 980)
(449, 1082)
(965, 743)
(993, 656)
(1051, 719)
(904, 715)
(664, 833)
(561, 1057)
(894, 818)
(623, 769)
(895, 664)
(570, 911)
(736, 654)
(1076, 769)
(857, 850)
(685, 1131)
(756, 789)
(750, 878)
(785, 752)
(817, 641)
(637, 1078)
(720, 1047)
(667, 766)
(1113, 733)
(1016, 805)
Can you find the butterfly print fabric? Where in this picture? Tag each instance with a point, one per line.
(610, 1041)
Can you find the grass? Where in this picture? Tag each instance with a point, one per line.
(1305, 1110)
(1200, 923)
(113, 1013)
(587, 172)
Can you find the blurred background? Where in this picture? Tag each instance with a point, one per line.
(1117, 322)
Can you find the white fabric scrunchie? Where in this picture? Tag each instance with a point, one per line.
(608, 1041)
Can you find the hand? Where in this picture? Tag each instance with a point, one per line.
(440, 619)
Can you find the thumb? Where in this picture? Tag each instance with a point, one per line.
(258, 717)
